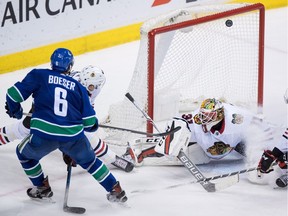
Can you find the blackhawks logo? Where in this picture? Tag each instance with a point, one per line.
(219, 148)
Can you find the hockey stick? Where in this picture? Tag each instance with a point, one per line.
(192, 168)
(205, 182)
(27, 114)
(130, 98)
(66, 208)
(171, 131)
(226, 175)
(232, 173)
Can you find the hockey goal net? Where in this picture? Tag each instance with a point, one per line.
(189, 55)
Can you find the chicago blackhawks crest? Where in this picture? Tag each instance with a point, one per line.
(219, 148)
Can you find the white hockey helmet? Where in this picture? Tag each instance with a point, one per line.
(211, 113)
(75, 75)
(92, 77)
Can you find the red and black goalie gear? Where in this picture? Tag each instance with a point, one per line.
(149, 152)
(268, 157)
(281, 158)
(266, 161)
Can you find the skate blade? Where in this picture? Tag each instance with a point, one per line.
(43, 200)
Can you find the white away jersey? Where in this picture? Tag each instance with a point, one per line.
(218, 144)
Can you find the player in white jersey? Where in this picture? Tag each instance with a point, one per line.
(277, 155)
(222, 128)
(215, 130)
(93, 79)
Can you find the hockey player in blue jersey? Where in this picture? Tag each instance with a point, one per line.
(62, 112)
(93, 79)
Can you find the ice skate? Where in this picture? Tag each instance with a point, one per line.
(123, 164)
(127, 161)
(282, 181)
(117, 194)
(40, 192)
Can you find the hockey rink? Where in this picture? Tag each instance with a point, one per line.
(151, 190)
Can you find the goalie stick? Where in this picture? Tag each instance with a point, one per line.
(193, 169)
(231, 175)
(171, 131)
(205, 183)
(226, 175)
(66, 208)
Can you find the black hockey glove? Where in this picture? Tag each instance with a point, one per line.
(68, 160)
(265, 163)
(18, 113)
(93, 128)
(268, 157)
(281, 158)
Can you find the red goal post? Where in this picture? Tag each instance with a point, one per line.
(256, 8)
(191, 54)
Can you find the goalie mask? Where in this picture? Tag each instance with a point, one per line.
(211, 113)
(92, 78)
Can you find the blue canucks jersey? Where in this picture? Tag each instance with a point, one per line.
(62, 107)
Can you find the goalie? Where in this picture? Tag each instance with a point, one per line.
(214, 131)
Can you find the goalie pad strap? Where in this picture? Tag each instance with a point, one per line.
(167, 144)
(149, 152)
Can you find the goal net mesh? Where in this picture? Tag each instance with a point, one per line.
(189, 55)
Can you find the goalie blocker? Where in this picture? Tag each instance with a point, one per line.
(164, 150)
(173, 143)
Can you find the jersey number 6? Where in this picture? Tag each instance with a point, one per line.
(60, 102)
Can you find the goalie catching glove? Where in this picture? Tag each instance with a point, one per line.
(173, 143)
(267, 159)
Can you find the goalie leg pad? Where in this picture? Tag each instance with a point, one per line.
(143, 149)
(173, 143)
